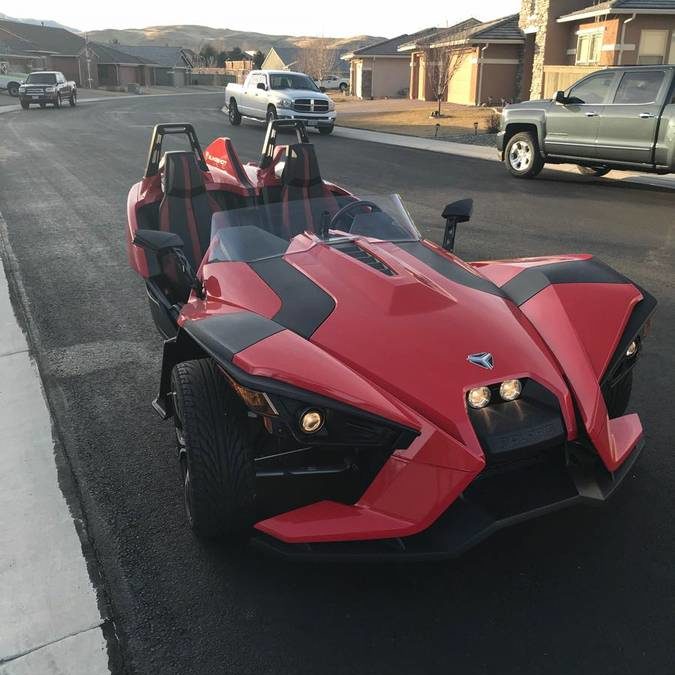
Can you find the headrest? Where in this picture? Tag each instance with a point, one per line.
(182, 176)
(302, 169)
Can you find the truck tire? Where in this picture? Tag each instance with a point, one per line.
(522, 156)
(344, 87)
(597, 171)
(233, 113)
(271, 114)
(57, 101)
(13, 89)
(616, 398)
(25, 105)
(73, 99)
(217, 465)
(325, 131)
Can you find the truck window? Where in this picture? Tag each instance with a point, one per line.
(41, 78)
(639, 87)
(593, 89)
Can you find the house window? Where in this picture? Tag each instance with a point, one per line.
(589, 46)
(653, 45)
(671, 58)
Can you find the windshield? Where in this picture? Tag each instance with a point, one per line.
(267, 231)
(41, 78)
(291, 81)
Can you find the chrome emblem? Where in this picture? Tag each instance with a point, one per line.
(482, 359)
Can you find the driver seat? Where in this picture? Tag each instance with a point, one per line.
(186, 207)
(301, 181)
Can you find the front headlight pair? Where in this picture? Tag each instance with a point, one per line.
(314, 420)
(509, 390)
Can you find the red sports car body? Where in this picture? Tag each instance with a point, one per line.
(396, 400)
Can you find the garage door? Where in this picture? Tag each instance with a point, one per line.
(460, 88)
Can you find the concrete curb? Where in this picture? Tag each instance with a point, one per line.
(48, 610)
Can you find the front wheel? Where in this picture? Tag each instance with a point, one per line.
(216, 461)
(597, 171)
(522, 156)
(13, 89)
(233, 113)
(271, 114)
(325, 131)
(57, 102)
(344, 87)
(73, 99)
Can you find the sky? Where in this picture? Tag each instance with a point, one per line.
(345, 18)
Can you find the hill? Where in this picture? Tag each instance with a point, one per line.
(37, 22)
(222, 39)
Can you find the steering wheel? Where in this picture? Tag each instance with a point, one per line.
(346, 210)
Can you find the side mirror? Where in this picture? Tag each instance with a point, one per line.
(454, 213)
(162, 243)
(560, 97)
(261, 85)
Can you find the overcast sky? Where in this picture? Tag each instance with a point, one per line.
(345, 18)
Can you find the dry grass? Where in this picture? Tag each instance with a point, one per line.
(456, 120)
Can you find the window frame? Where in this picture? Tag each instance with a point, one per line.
(611, 90)
(590, 37)
(664, 53)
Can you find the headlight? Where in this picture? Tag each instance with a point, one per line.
(479, 397)
(331, 104)
(311, 421)
(285, 103)
(510, 390)
(50, 90)
(22, 88)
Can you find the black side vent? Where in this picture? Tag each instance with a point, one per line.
(354, 251)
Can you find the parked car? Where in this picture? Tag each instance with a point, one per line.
(268, 95)
(334, 83)
(48, 86)
(11, 82)
(617, 118)
(342, 387)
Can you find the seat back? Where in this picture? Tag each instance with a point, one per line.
(186, 207)
(301, 181)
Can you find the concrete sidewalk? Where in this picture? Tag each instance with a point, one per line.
(49, 616)
(488, 153)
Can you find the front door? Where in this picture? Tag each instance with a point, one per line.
(366, 84)
(629, 123)
(572, 127)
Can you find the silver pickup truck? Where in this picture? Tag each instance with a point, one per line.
(280, 94)
(618, 118)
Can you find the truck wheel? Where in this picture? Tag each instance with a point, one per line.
(217, 465)
(233, 113)
(13, 89)
(73, 99)
(596, 171)
(344, 87)
(522, 156)
(271, 114)
(616, 398)
(25, 105)
(57, 101)
(325, 131)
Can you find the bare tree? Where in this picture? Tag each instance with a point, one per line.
(318, 61)
(441, 65)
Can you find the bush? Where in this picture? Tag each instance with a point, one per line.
(492, 123)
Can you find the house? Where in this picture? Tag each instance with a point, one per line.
(567, 39)
(51, 48)
(119, 69)
(172, 65)
(281, 58)
(380, 70)
(482, 61)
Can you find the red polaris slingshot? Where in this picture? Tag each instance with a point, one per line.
(343, 388)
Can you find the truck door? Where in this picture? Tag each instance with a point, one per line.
(629, 123)
(572, 127)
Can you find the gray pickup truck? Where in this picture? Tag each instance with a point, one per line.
(618, 118)
(48, 86)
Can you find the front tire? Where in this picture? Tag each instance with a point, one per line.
(326, 131)
(13, 89)
(73, 99)
(271, 114)
(522, 157)
(57, 101)
(596, 171)
(218, 471)
(344, 88)
(233, 113)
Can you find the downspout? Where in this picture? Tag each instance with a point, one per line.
(480, 72)
(623, 37)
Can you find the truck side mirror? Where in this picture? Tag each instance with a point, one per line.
(454, 213)
(261, 85)
(560, 97)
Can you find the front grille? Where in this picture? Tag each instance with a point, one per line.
(310, 105)
(358, 253)
(34, 91)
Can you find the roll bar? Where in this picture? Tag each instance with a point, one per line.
(155, 151)
(271, 138)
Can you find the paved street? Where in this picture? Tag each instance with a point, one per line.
(582, 591)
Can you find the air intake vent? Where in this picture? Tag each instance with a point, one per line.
(354, 251)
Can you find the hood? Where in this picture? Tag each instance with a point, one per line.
(411, 332)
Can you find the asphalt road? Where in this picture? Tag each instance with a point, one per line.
(582, 591)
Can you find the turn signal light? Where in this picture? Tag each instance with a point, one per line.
(257, 401)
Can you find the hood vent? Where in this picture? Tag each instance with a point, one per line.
(351, 249)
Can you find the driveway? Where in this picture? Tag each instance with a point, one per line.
(582, 591)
